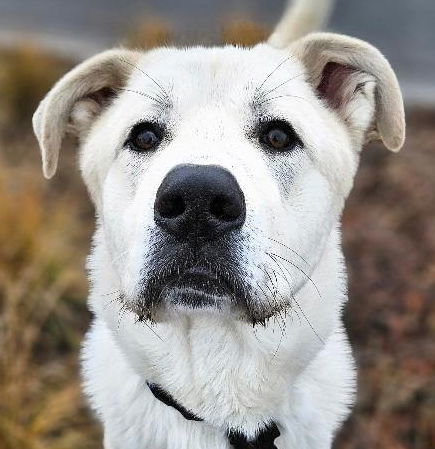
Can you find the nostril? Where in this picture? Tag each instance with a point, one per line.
(224, 208)
(171, 206)
(197, 203)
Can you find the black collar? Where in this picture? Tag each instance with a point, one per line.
(265, 439)
(163, 396)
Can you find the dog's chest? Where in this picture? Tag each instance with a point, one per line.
(215, 372)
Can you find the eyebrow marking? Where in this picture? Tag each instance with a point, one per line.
(282, 84)
(262, 96)
(267, 100)
(143, 94)
(166, 98)
(258, 89)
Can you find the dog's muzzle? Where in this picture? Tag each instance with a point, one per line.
(196, 252)
(197, 203)
(199, 211)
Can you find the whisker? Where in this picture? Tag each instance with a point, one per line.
(271, 281)
(258, 89)
(275, 353)
(142, 320)
(302, 312)
(282, 96)
(282, 274)
(290, 249)
(282, 84)
(165, 93)
(144, 95)
(300, 269)
(307, 320)
(127, 308)
(274, 274)
(275, 302)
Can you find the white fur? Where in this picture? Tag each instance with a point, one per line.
(297, 370)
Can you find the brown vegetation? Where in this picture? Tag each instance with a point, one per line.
(150, 33)
(243, 32)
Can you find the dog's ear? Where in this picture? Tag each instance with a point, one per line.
(356, 81)
(77, 99)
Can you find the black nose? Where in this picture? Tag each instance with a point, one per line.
(199, 202)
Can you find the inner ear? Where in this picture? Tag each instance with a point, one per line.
(103, 97)
(339, 84)
(86, 110)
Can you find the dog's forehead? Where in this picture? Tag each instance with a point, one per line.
(215, 73)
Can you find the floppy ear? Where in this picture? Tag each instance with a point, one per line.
(77, 99)
(355, 79)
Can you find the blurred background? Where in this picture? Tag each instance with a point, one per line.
(45, 227)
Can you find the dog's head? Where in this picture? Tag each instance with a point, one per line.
(218, 174)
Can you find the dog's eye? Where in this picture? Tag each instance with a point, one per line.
(279, 136)
(145, 137)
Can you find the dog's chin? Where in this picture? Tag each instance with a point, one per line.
(195, 300)
(199, 291)
(195, 290)
(190, 302)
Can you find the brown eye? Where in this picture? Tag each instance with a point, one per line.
(279, 136)
(145, 137)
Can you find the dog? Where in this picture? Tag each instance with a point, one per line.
(219, 176)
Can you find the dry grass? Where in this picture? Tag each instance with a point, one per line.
(42, 281)
(26, 73)
(243, 32)
(154, 32)
(42, 313)
(44, 237)
(151, 32)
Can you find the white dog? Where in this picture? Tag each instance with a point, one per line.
(219, 176)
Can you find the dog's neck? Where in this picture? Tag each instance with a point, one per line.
(264, 439)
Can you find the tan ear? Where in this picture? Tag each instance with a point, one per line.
(343, 68)
(92, 83)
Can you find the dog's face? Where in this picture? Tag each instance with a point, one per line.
(214, 194)
(219, 173)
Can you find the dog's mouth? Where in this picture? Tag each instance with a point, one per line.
(194, 285)
(210, 279)
(198, 287)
